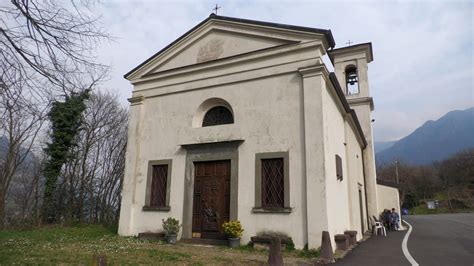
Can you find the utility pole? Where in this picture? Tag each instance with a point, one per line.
(396, 169)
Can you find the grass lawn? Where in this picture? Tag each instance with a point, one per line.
(443, 208)
(78, 245)
(422, 209)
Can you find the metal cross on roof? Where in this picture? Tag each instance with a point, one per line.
(349, 43)
(216, 8)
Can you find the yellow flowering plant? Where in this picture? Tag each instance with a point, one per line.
(233, 229)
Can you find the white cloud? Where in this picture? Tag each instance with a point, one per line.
(423, 59)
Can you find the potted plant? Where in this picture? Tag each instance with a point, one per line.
(171, 227)
(234, 230)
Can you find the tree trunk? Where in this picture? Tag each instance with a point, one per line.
(36, 199)
(449, 201)
(70, 197)
(2, 206)
(81, 203)
(91, 200)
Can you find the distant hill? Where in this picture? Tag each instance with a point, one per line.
(4, 150)
(383, 145)
(434, 140)
(3, 146)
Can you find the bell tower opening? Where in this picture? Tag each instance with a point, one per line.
(351, 68)
(352, 80)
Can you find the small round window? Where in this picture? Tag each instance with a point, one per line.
(218, 115)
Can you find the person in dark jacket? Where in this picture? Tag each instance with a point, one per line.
(387, 216)
(395, 219)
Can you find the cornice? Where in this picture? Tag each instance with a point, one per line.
(254, 56)
(362, 101)
(136, 100)
(314, 71)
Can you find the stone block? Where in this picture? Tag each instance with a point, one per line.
(326, 247)
(263, 241)
(342, 242)
(352, 237)
(275, 257)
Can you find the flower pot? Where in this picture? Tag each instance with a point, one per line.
(234, 242)
(171, 239)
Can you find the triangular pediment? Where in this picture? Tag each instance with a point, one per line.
(217, 38)
(218, 44)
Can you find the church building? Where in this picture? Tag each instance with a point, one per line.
(242, 120)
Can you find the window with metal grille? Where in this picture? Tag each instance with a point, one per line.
(218, 115)
(158, 185)
(339, 168)
(273, 184)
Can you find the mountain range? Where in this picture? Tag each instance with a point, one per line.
(433, 141)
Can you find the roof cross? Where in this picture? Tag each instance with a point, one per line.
(349, 43)
(216, 8)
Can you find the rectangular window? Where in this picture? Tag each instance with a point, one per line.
(339, 168)
(273, 183)
(158, 185)
(158, 182)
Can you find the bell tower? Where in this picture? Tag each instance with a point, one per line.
(350, 66)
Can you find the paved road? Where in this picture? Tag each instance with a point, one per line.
(443, 239)
(378, 250)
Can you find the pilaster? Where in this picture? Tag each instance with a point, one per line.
(314, 169)
(131, 166)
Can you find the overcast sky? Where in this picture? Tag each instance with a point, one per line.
(423, 51)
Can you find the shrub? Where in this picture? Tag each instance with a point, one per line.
(290, 245)
(233, 229)
(171, 226)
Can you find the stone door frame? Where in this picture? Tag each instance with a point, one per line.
(209, 152)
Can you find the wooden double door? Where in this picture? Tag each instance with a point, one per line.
(211, 200)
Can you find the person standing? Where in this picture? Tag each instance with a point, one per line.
(395, 218)
(387, 217)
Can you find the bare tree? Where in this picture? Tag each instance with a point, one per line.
(457, 176)
(452, 178)
(21, 120)
(50, 43)
(46, 50)
(24, 194)
(91, 179)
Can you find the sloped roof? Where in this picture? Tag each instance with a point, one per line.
(367, 47)
(212, 16)
(347, 108)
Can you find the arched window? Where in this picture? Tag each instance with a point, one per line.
(352, 80)
(218, 115)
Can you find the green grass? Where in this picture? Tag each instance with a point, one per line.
(79, 245)
(304, 253)
(441, 196)
(308, 254)
(55, 245)
(422, 210)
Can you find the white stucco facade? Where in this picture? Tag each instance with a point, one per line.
(388, 198)
(283, 101)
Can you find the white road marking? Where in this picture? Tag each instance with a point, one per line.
(405, 248)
